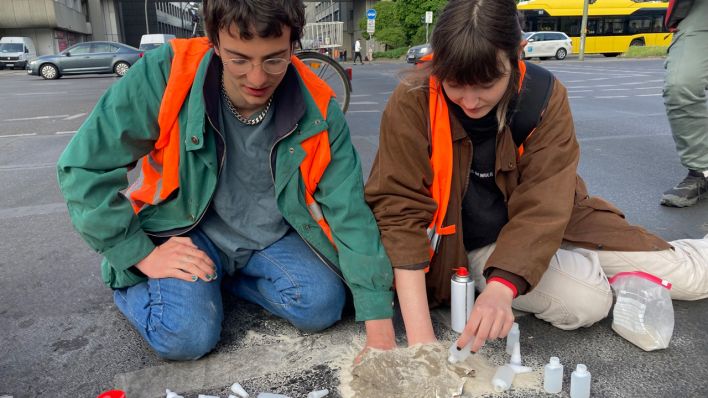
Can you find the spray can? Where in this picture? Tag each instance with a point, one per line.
(462, 298)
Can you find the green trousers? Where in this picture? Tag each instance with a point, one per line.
(685, 88)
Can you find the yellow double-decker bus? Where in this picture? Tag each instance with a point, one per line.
(613, 25)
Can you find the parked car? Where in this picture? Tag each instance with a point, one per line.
(85, 58)
(415, 53)
(148, 42)
(547, 44)
(15, 52)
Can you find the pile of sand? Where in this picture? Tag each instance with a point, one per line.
(423, 371)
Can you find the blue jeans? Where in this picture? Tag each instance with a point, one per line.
(182, 320)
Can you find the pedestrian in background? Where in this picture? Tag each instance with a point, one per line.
(249, 184)
(357, 52)
(456, 183)
(685, 97)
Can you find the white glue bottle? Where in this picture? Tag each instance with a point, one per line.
(512, 338)
(580, 382)
(462, 298)
(553, 376)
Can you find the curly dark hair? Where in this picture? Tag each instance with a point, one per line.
(264, 18)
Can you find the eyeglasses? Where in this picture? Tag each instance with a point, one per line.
(271, 66)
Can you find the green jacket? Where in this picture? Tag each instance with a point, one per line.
(122, 128)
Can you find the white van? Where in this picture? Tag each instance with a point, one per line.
(16, 52)
(148, 42)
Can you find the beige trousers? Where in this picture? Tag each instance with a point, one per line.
(574, 291)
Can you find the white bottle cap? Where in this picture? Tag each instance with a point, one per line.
(554, 363)
(581, 370)
(237, 389)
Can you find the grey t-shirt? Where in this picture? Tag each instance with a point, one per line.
(243, 215)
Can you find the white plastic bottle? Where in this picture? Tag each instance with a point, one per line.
(503, 378)
(553, 376)
(461, 354)
(512, 338)
(461, 298)
(580, 382)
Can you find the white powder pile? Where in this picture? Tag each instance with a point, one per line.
(423, 371)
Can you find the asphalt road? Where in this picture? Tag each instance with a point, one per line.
(61, 336)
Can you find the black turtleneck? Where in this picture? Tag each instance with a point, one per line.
(484, 212)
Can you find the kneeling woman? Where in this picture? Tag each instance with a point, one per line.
(477, 166)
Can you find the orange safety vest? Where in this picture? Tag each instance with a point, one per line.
(441, 157)
(159, 173)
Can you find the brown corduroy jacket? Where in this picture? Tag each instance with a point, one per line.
(547, 201)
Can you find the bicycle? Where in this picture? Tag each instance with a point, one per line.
(331, 72)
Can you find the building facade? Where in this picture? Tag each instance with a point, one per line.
(55, 25)
(349, 12)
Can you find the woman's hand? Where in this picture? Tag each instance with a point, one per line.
(491, 316)
(178, 258)
(379, 335)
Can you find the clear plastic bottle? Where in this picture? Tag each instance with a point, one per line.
(553, 376)
(503, 378)
(461, 354)
(512, 338)
(580, 382)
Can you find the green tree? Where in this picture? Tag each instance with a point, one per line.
(388, 26)
(412, 13)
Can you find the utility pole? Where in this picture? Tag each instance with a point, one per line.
(583, 30)
(147, 27)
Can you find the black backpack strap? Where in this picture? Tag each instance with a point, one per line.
(532, 101)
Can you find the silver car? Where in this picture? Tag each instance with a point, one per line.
(415, 53)
(85, 58)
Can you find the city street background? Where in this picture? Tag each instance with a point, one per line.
(61, 335)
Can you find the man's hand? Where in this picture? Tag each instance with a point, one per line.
(178, 258)
(379, 335)
(491, 316)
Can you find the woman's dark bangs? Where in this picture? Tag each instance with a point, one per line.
(467, 59)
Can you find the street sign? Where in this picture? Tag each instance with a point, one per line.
(370, 14)
(370, 25)
(428, 17)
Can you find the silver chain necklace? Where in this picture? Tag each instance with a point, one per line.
(238, 116)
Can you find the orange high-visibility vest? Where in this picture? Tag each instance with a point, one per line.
(159, 173)
(441, 156)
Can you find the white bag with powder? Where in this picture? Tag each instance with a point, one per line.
(643, 312)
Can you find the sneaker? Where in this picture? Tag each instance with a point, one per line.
(687, 192)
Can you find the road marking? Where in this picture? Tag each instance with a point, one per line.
(648, 88)
(65, 132)
(374, 111)
(28, 166)
(386, 92)
(364, 103)
(43, 93)
(633, 83)
(575, 97)
(616, 89)
(72, 117)
(360, 95)
(649, 95)
(578, 91)
(17, 135)
(595, 86)
(622, 137)
(38, 210)
(36, 118)
(611, 96)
